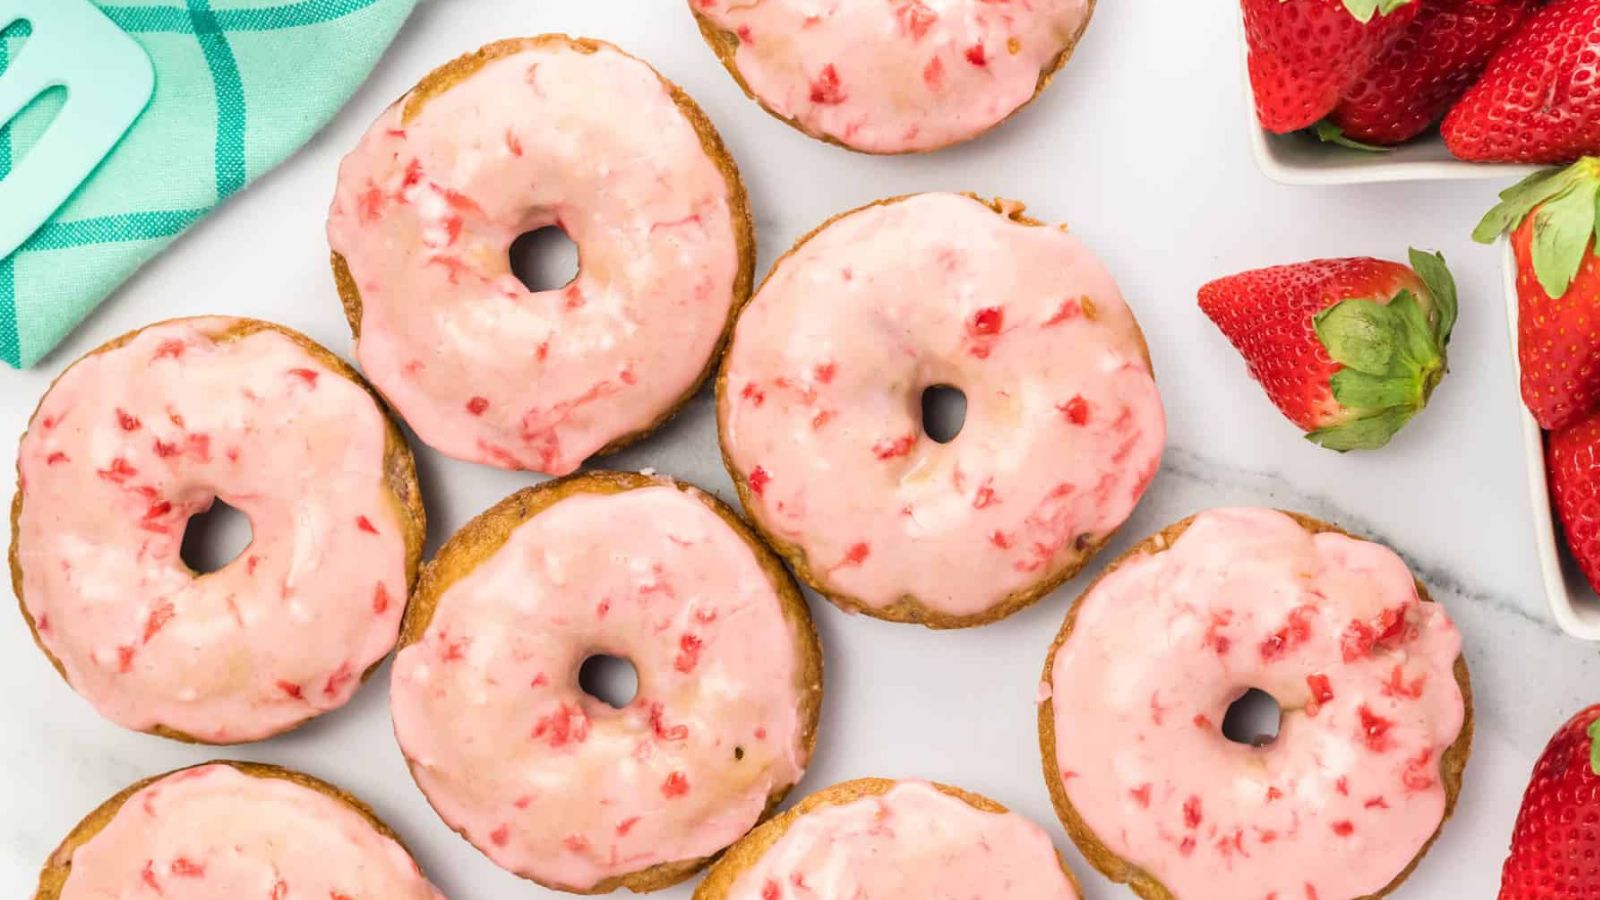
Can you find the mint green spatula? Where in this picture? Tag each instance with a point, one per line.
(108, 79)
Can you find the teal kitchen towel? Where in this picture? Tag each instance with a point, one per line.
(240, 84)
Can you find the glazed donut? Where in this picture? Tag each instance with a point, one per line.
(145, 432)
(554, 784)
(875, 839)
(1376, 713)
(232, 829)
(818, 405)
(524, 134)
(902, 76)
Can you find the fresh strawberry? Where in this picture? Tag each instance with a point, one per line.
(1555, 847)
(1348, 349)
(1305, 54)
(1422, 74)
(1539, 99)
(1572, 457)
(1551, 217)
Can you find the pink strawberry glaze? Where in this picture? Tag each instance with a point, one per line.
(557, 786)
(896, 76)
(820, 410)
(425, 215)
(213, 831)
(130, 443)
(910, 843)
(1329, 625)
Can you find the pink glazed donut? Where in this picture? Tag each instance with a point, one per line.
(1376, 713)
(820, 394)
(893, 76)
(518, 136)
(235, 830)
(875, 839)
(145, 432)
(554, 784)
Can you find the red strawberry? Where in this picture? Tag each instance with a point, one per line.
(1349, 349)
(1304, 54)
(1572, 456)
(1422, 74)
(1552, 219)
(1555, 847)
(1539, 98)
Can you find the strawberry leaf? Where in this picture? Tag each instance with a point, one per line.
(1359, 390)
(1329, 133)
(1594, 746)
(1369, 433)
(1431, 268)
(1520, 199)
(1562, 228)
(1359, 334)
(1364, 10)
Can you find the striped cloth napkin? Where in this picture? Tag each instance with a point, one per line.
(240, 84)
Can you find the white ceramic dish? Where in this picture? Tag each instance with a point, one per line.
(1302, 159)
(1574, 604)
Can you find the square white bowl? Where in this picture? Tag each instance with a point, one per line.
(1573, 602)
(1302, 159)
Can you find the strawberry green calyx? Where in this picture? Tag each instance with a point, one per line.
(1364, 10)
(1563, 205)
(1392, 356)
(1594, 746)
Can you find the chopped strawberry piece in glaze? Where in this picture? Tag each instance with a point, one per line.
(1375, 730)
(157, 620)
(1076, 410)
(977, 55)
(184, 867)
(290, 688)
(127, 421)
(380, 598)
(309, 376)
(826, 89)
(758, 480)
(689, 653)
(365, 524)
(676, 785)
(889, 448)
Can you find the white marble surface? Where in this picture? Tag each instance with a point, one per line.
(1141, 145)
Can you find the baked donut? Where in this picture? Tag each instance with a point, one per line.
(819, 399)
(902, 76)
(1376, 713)
(518, 136)
(555, 785)
(232, 829)
(876, 839)
(147, 431)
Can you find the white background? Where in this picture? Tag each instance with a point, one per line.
(1141, 146)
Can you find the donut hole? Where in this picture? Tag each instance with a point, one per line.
(944, 412)
(215, 538)
(544, 259)
(1253, 719)
(610, 679)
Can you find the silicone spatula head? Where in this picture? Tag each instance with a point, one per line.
(108, 80)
